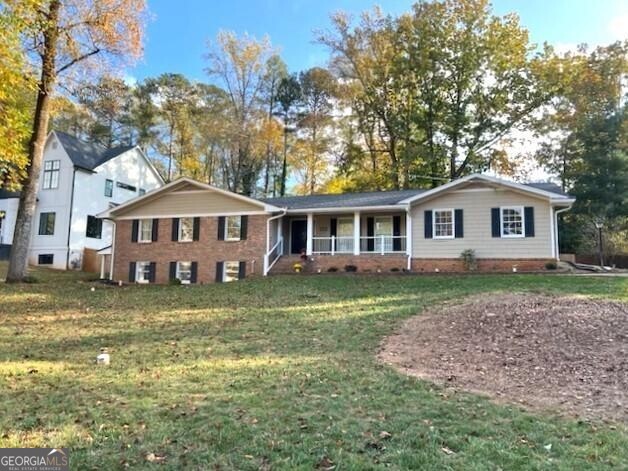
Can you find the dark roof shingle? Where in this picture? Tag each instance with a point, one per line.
(344, 200)
(86, 155)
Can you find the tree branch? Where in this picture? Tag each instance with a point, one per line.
(78, 59)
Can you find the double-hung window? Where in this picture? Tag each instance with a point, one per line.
(233, 227)
(145, 233)
(512, 221)
(142, 272)
(184, 272)
(186, 229)
(47, 223)
(443, 223)
(232, 271)
(94, 227)
(51, 174)
(108, 188)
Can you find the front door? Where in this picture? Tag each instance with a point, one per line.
(298, 240)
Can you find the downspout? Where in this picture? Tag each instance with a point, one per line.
(272, 218)
(409, 236)
(557, 246)
(113, 248)
(67, 257)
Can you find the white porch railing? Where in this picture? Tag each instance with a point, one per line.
(344, 245)
(383, 244)
(332, 245)
(273, 255)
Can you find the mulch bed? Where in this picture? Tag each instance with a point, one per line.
(567, 354)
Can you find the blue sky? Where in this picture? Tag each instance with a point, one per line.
(177, 35)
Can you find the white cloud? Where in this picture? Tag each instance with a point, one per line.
(618, 26)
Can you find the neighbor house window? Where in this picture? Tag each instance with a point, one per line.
(51, 174)
(443, 221)
(108, 188)
(142, 191)
(233, 227)
(145, 233)
(126, 186)
(184, 272)
(94, 227)
(512, 222)
(142, 272)
(232, 271)
(186, 229)
(47, 224)
(45, 259)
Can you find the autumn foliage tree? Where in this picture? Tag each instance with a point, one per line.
(67, 36)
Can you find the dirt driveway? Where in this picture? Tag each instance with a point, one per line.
(568, 354)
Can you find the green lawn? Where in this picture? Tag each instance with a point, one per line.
(269, 373)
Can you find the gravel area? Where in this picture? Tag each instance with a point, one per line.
(543, 352)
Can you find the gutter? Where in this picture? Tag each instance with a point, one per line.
(67, 256)
(556, 228)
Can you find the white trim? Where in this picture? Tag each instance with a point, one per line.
(409, 238)
(178, 272)
(486, 178)
(556, 213)
(187, 215)
(453, 223)
(551, 214)
(140, 223)
(137, 272)
(501, 222)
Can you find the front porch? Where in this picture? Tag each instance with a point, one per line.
(346, 234)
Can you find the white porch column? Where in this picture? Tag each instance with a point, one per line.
(356, 233)
(102, 267)
(310, 234)
(409, 236)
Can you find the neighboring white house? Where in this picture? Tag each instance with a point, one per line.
(8, 211)
(79, 180)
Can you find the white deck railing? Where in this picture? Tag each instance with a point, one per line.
(345, 245)
(273, 255)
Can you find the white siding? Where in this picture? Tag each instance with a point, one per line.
(7, 225)
(476, 205)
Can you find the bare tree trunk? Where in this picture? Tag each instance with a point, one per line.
(284, 166)
(18, 263)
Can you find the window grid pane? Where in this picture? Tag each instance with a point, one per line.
(186, 229)
(184, 271)
(146, 230)
(143, 272)
(232, 271)
(443, 224)
(512, 222)
(233, 227)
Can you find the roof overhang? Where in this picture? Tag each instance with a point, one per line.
(153, 194)
(476, 177)
(347, 209)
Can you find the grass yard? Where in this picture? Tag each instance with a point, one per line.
(276, 373)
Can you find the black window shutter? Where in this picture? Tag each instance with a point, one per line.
(197, 228)
(244, 223)
(529, 221)
(370, 233)
(155, 234)
(132, 272)
(221, 228)
(152, 269)
(135, 227)
(193, 272)
(219, 271)
(459, 223)
(175, 229)
(427, 220)
(496, 222)
(173, 270)
(396, 233)
(242, 271)
(333, 227)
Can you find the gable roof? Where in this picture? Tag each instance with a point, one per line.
(182, 183)
(87, 155)
(545, 190)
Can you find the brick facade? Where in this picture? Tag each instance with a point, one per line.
(364, 263)
(454, 265)
(207, 251)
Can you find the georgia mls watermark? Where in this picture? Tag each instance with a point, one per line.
(34, 459)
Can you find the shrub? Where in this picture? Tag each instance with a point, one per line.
(332, 269)
(174, 281)
(551, 265)
(469, 261)
(394, 269)
(351, 268)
